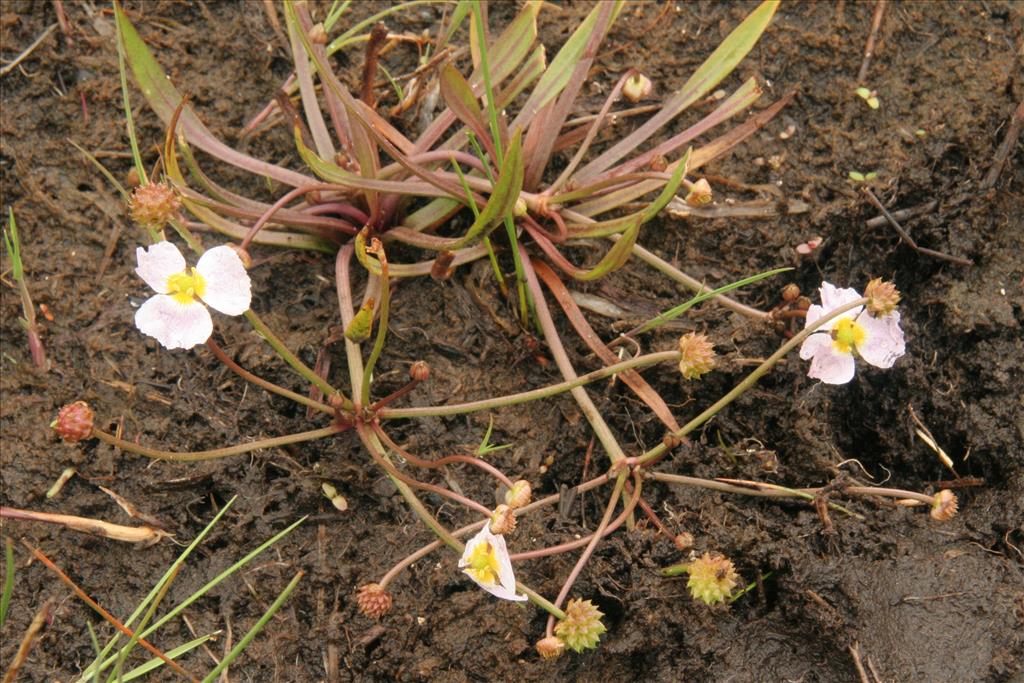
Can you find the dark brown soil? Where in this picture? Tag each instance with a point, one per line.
(923, 601)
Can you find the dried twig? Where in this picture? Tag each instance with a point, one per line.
(105, 614)
(1007, 145)
(7, 68)
(861, 672)
(146, 535)
(905, 236)
(26, 642)
(869, 47)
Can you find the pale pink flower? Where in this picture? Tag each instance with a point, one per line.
(831, 348)
(486, 561)
(176, 315)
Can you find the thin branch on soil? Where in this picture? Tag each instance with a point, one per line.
(1005, 147)
(905, 236)
(7, 68)
(869, 47)
(107, 615)
(26, 641)
(146, 535)
(902, 214)
(855, 647)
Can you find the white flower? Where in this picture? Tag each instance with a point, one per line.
(879, 341)
(175, 315)
(485, 560)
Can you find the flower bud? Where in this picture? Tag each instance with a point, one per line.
(318, 35)
(700, 193)
(373, 600)
(683, 540)
(697, 355)
(74, 422)
(153, 205)
(519, 495)
(420, 371)
(671, 441)
(790, 293)
(882, 297)
(520, 208)
(712, 578)
(944, 506)
(550, 647)
(503, 520)
(636, 87)
(582, 627)
(361, 326)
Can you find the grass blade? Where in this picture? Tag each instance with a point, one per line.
(5, 597)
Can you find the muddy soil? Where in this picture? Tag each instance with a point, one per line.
(919, 601)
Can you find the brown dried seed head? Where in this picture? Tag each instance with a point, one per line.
(519, 495)
(883, 297)
(373, 600)
(697, 355)
(944, 506)
(74, 422)
(503, 520)
(790, 292)
(550, 647)
(153, 205)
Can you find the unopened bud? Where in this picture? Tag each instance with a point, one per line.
(503, 520)
(882, 297)
(519, 495)
(790, 293)
(153, 205)
(420, 371)
(373, 600)
(318, 35)
(697, 355)
(659, 163)
(712, 578)
(520, 209)
(700, 193)
(944, 506)
(683, 540)
(74, 422)
(550, 647)
(671, 441)
(362, 324)
(636, 87)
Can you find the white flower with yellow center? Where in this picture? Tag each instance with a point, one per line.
(485, 560)
(831, 349)
(176, 315)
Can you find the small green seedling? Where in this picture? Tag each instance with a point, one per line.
(869, 96)
(13, 245)
(859, 177)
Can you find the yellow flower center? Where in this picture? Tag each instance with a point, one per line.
(483, 564)
(184, 288)
(847, 334)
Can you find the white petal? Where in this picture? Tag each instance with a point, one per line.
(158, 263)
(506, 586)
(228, 288)
(831, 366)
(815, 344)
(884, 342)
(833, 297)
(174, 325)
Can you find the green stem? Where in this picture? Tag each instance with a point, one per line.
(751, 379)
(532, 395)
(195, 456)
(292, 360)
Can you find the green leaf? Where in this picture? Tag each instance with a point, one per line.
(459, 97)
(503, 199)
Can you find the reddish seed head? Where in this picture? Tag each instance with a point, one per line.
(882, 297)
(74, 422)
(154, 205)
(550, 647)
(519, 495)
(373, 600)
(944, 506)
(503, 520)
